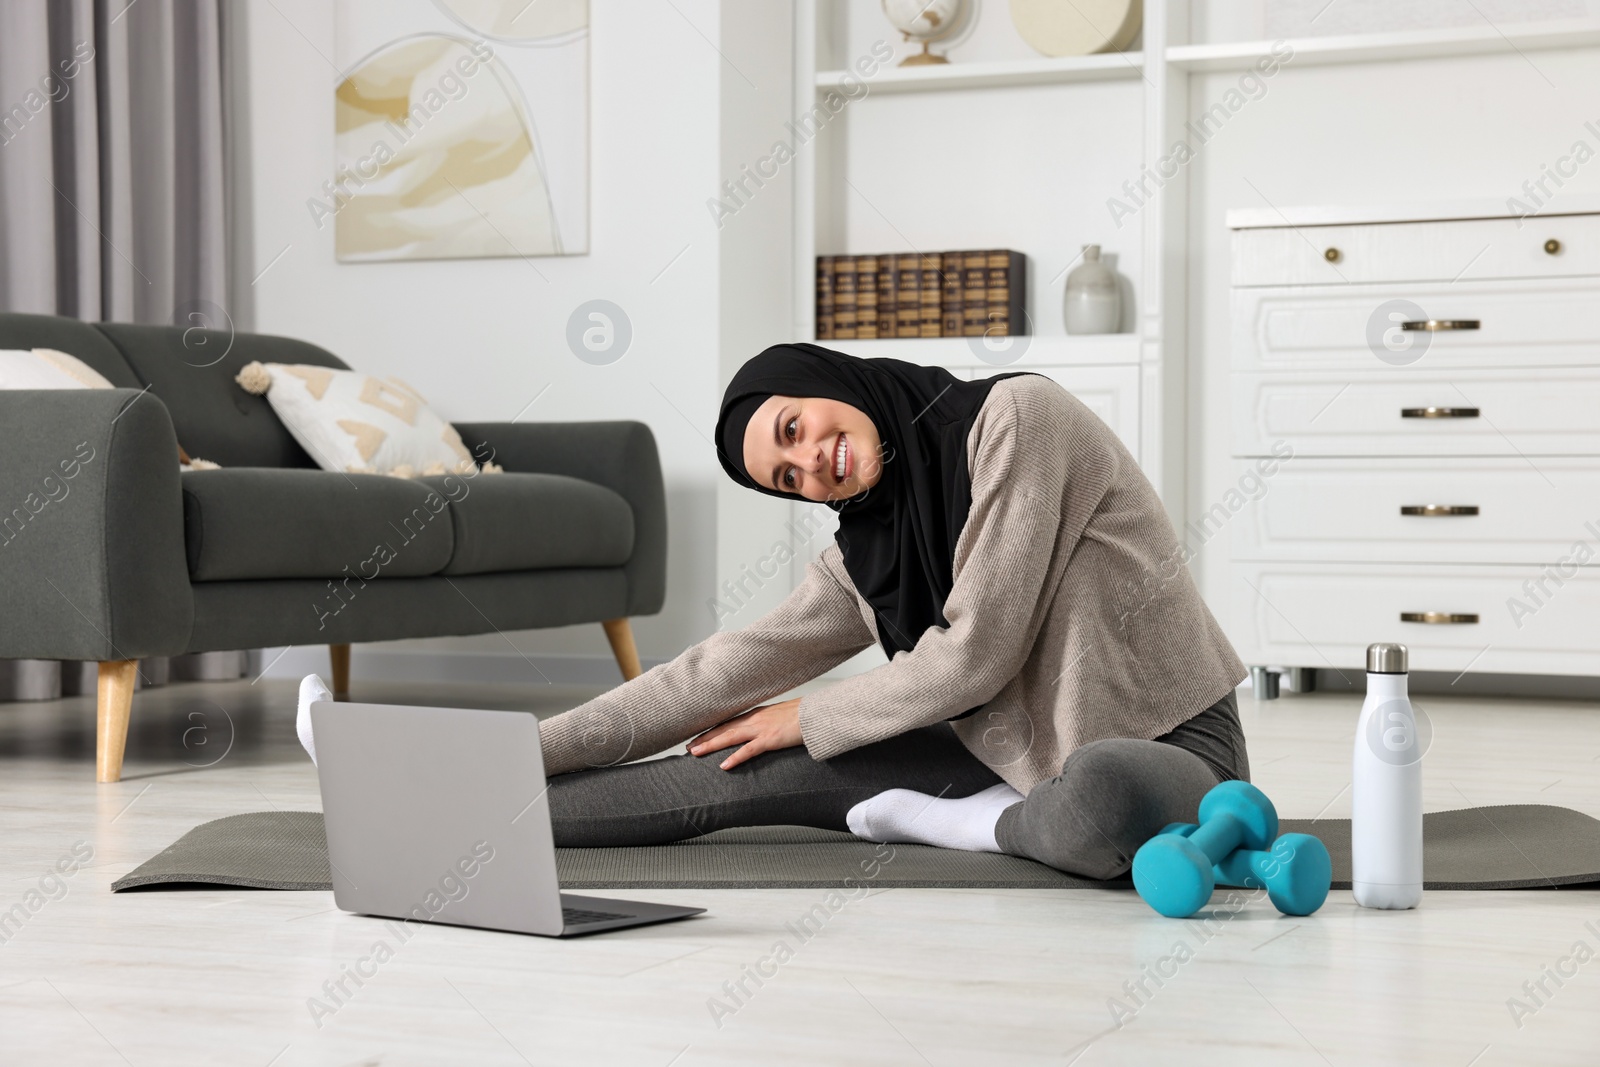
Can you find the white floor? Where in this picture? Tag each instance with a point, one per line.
(902, 976)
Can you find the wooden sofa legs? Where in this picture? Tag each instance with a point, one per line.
(115, 699)
(620, 634)
(114, 703)
(339, 664)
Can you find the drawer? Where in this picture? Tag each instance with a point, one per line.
(1353, 510)
(1518, 324)
(1314, 615)
(1527, 413)
(1444, 251)
(1110, 392)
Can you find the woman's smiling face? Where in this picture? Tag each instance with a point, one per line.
(814, 448)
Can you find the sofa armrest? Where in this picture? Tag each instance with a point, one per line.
(91, 527)
(618, 455)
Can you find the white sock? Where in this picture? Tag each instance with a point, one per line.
(312, 689)
(901, 815)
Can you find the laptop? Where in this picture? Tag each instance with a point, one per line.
(442, 815)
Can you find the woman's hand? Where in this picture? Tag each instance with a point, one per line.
(761, 729)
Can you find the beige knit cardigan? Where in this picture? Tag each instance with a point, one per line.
(1072, 617)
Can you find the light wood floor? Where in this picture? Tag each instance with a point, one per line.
(902, 976)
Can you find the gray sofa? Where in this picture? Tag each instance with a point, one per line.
(108, 553)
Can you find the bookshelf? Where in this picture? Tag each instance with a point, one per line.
(1065, 134)
(1068, 133)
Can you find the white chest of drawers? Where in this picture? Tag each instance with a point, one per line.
(1435, 384)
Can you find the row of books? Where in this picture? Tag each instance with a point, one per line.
(922, 294)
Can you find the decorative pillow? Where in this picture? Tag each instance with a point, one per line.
(46, 368)
(349, 421)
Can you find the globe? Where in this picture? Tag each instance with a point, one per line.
(925, 21)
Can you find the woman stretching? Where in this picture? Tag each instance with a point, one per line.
(1055, 689)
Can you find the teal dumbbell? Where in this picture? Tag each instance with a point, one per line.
(1296, 871)
(1173, 871)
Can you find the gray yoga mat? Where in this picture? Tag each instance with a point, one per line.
(1513, 846)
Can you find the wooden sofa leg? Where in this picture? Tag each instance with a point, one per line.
(620, 634)
(114, 703)
(339, 662)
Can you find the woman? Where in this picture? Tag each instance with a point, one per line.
(1056, 687)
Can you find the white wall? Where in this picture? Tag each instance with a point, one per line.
(1445, 129)
(757, 275)
(482, 338)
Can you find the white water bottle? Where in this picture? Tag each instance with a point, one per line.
(1386, 789)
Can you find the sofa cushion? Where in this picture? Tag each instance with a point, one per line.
(192, 371)
(512, 522)
(350, 421)
(73, 337)
(256, 522)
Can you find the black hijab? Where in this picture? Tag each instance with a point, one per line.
(899, 537)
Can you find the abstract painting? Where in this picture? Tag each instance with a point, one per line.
(462, 130)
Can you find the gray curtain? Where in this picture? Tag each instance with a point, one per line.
(112, 159)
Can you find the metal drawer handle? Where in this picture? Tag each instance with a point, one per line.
(1439, 618)
(1441, 325)
(1435, 511)
(1438, 413)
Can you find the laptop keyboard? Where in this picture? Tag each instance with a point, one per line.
(579, 916)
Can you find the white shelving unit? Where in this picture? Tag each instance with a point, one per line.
(1133, 379)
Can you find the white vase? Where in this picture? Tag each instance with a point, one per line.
(1093, 301)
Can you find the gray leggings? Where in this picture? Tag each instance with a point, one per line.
(1110, 797)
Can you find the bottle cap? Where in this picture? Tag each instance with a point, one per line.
(1386, 657)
